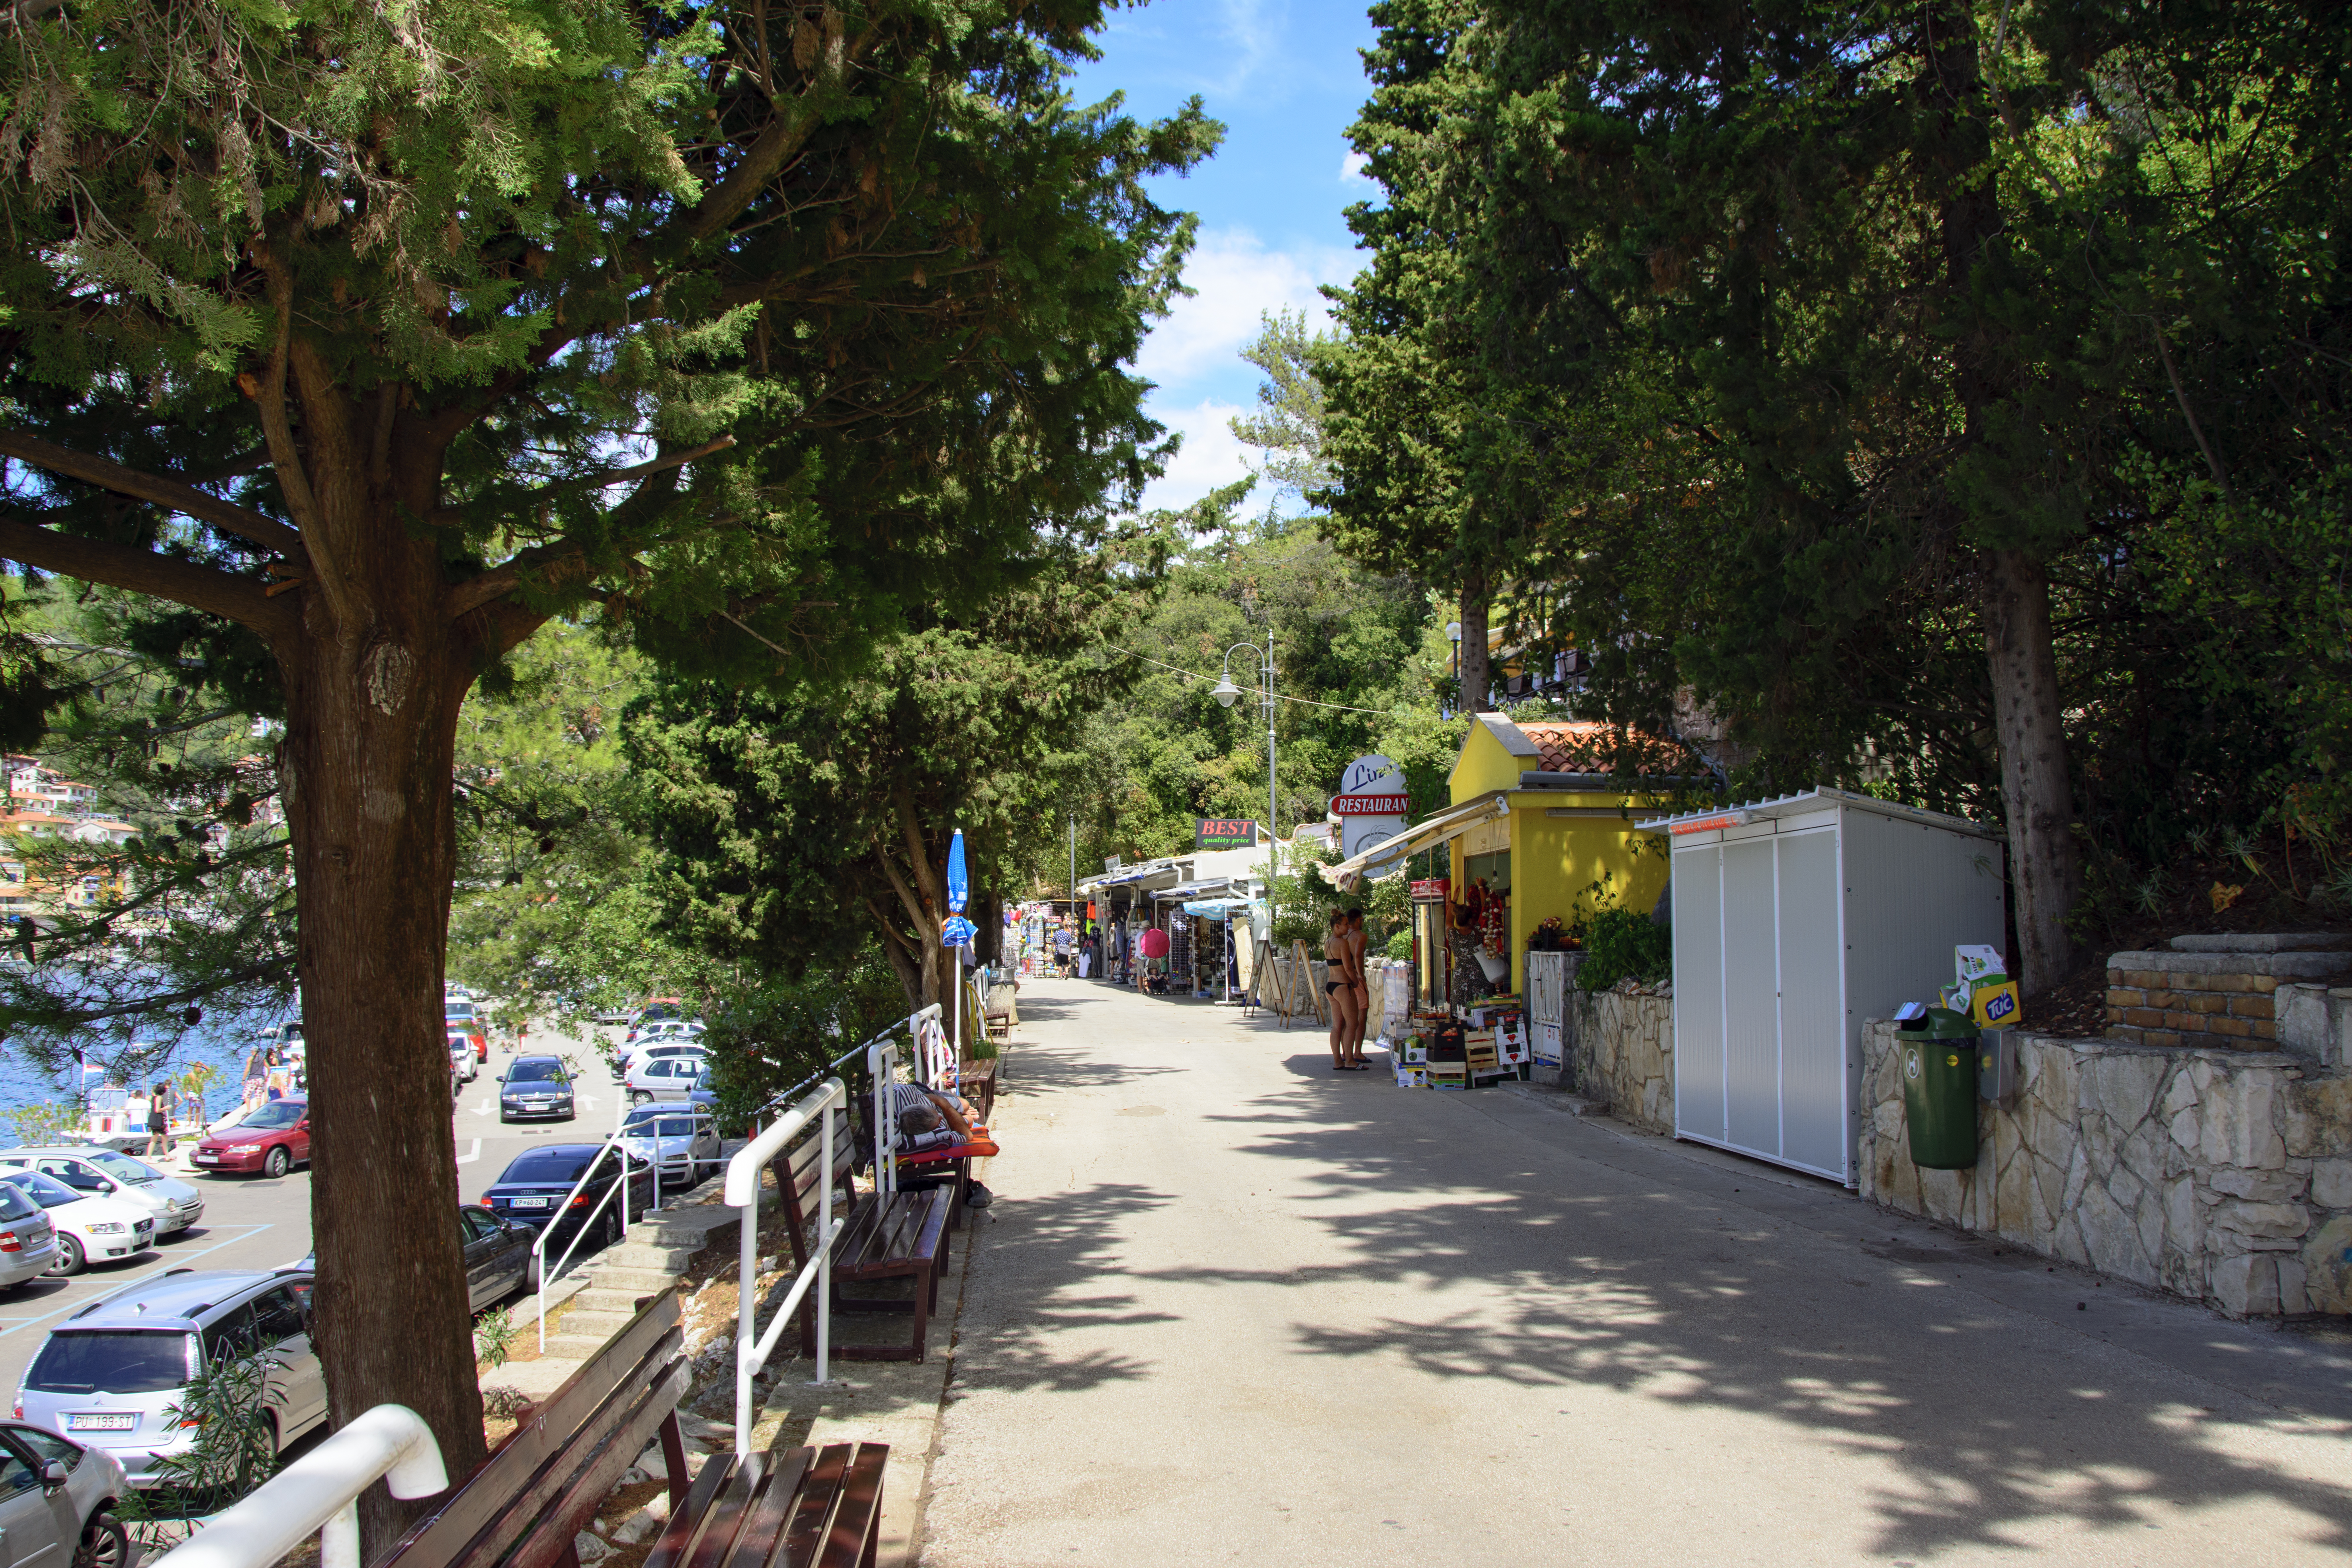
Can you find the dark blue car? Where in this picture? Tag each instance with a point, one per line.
(536, 1190)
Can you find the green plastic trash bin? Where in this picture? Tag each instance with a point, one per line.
(1939, 1090)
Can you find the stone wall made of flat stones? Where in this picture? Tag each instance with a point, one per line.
(1621, 1052)
(2221, 1176)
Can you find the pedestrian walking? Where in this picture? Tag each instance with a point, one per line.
(159, 1122)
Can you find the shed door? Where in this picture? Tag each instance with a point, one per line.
(1812, 1009)
(1751, 1036)
(1698, 993)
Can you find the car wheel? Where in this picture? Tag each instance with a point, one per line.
(70, 1259)
(104, 1544)
(640, 1097)
(278, 1162)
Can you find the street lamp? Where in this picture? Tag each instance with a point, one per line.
(1227, 694)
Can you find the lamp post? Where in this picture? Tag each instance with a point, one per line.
(1226, 693)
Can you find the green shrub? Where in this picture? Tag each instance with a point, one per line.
(1622, 944)
(1401, 946)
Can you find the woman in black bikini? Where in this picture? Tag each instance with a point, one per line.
(1338, 992)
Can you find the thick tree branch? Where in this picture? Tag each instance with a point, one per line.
(284, 455)
(171, 494)
(143, 571)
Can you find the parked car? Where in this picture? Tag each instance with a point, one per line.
(535, 1086)
(498, 1256)
(663, 1078)
(647, 1050)
(28, 1242)
(680, 1143)
(655, 1011)
(111, 1374)
(272, 1138)
(458, 1017)
(56, 1501)
(699, 1094)
(462, 1057)
(533, 1191)
(89, 1229)
(173, 1204)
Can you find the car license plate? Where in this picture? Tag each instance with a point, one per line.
(100, 1421)
(207, 1159)
(533, 1203)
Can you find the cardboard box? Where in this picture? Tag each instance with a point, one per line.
(1547, 1045)
(1412, 1078)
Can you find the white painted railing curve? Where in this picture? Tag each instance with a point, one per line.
(742, 1193)
(321, 1491)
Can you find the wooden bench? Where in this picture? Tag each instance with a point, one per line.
(901, 1237)
(525, 1504)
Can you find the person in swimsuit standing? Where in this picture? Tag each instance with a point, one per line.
(1356, 977)
(1338, 992)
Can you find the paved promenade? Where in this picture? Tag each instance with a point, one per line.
(1234, 1308)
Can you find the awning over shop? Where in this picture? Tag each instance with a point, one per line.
(1215, 908)
(1143, 878)
(1195, 889)
(1391, 853)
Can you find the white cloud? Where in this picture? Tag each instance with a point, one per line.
(1210, 456)
(1351, 169)
(1236, 280)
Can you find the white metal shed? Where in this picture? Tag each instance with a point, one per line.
(1795, 921)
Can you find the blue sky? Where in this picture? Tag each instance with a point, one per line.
(1286, 77)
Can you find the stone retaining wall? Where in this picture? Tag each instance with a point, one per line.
(2221, 1176)
(2212, 993)
(1621, 1052)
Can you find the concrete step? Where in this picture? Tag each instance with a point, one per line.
(587, 1321)
(576, 1347)
(599, 1297)
(630, 1254)
(636, 1281)
(695, 1230)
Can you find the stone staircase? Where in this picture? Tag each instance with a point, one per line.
(647, 1259)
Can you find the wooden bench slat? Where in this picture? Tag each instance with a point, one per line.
(647, 1344)
(856, 1522)
(820, 1493)
(716, 1547)
(763, 1526)
(687, 1520)
(564, 1509)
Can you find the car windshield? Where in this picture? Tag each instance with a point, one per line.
(536, 1072)
(654, 1124)
(122, 1167)
(47, 1191)
(277, 1114)
(127, 1361)
(549, 1167)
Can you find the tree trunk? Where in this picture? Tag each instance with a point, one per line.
(2037, 798)
(371, 725)
(1476, 673)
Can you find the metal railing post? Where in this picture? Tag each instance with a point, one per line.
(321, 1491)
(825, 1253)
(742, 1193)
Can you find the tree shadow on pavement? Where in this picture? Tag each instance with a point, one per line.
(1606, 1277)
(1040, 1272)
(1051, 1066)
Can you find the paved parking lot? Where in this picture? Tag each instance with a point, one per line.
(252, 1222)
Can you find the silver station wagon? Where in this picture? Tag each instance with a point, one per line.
(112, 1375)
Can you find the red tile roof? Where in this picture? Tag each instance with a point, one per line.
(1591, 746)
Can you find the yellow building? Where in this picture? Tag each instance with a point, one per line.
(1535, 815)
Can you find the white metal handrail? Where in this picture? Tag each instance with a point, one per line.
(321, 1491)
(751, 1347)
(612, 1145)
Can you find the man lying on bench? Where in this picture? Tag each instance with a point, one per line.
(935, 1127)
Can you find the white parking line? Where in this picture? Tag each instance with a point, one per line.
(178, 1260)
(469, 1159)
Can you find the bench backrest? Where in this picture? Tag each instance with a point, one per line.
(521, 1506)
(800, 1183)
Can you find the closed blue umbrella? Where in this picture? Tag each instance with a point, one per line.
(959, 885)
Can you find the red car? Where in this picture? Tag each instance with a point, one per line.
(469, 1034)
(272, 1141)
